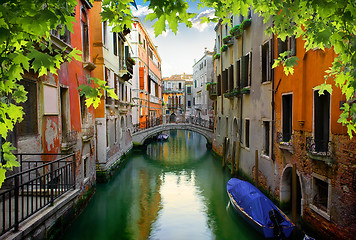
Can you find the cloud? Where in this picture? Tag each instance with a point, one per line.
(210, 13)
(141, 11)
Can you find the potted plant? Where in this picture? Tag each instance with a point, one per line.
(227, 40)
(246, 23)
(245, 90)
(223, 48)
(217, 56)
(235, 92)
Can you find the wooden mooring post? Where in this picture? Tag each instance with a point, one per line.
(233, 159)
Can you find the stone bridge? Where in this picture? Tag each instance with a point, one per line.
(142, 135)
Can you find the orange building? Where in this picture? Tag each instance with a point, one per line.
(147, 77)
(311, 144)
(111, 54)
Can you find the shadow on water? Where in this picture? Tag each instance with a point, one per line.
(174, 190)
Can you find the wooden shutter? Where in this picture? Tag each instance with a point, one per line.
(249, 68)
(142, 78)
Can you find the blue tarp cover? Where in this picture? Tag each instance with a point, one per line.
(253, 202)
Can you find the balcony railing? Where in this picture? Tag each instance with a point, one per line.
(319, 147)
(212, 88)
(201, 122)
(285, 139)
(175, 106)
(88, 133)
(69, 139)
(36, 186)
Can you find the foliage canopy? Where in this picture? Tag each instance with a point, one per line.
(25, 47)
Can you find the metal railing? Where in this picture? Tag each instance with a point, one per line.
(285, 139)
(36, 186)
(319, 147)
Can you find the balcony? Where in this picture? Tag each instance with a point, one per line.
(69, 139)
(88, 133)
(123, 107)
(212, 88)
(126, 72)
(170, 90)
(319, 150)
(175, 106)
(285, 141)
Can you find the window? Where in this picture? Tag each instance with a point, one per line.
(105, 29)
(107, 133)
(114, 35)
(290, 44)
(247, 133)
(219, 85)
(83, 109)
(139, 38)
(266, 60)
(246, 70)
(107, 79)
(85, 35)
(321, 192)
(282, 46)
(231, 78)
(287, 114)
(64, 110)
(321, 121)
(167, 112)
(238, 74)
(85, 167)
(266, 138)
(116, 127)
(29, 123)
(189, 103)
(193, 101)
(189, 90)
(225, 81)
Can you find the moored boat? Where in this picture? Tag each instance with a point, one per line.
(162, 137)
(258, 210)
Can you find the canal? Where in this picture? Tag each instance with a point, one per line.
(174, 190)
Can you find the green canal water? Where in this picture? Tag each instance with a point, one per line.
(174, 190)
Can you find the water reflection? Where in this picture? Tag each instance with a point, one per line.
(177, 190)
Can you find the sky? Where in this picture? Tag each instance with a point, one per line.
(179, 51)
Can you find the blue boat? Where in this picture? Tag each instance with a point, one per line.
(258, 210)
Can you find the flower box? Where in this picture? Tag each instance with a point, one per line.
(246, 23)
(224, 48)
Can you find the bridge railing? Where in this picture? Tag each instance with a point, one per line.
(209, 124)
(147, 124)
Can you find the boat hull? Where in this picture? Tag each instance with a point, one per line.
(239, 200)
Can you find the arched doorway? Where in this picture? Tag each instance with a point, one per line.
(286, 191)
(172, 118)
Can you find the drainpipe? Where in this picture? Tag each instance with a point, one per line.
(273, 100)
(241, 105)
(221, 73)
